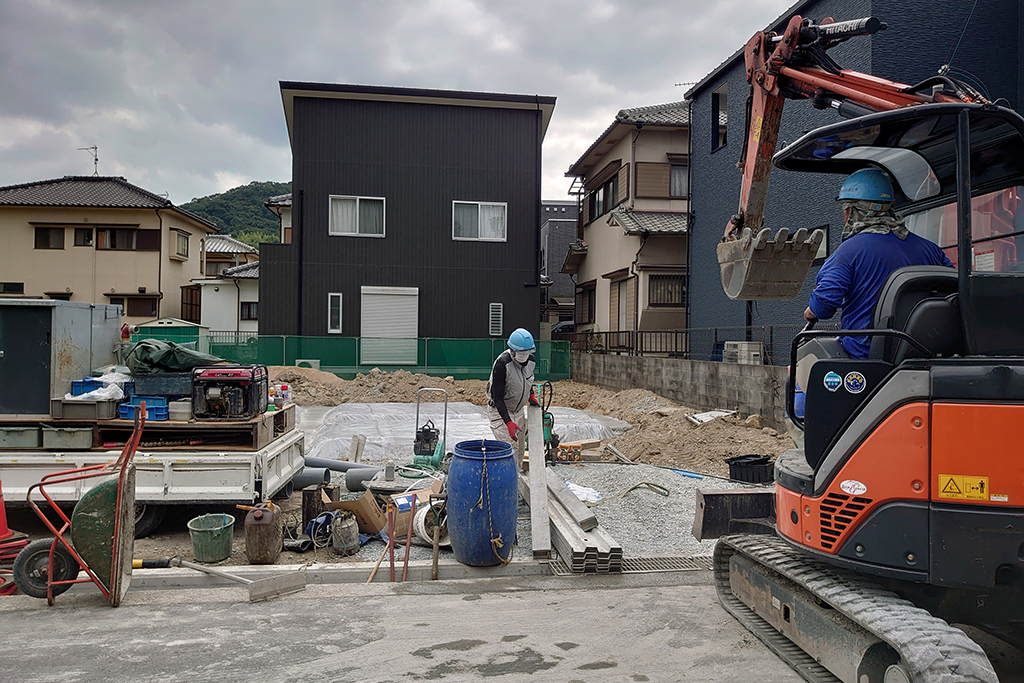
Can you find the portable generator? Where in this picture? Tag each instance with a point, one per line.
(229, 392)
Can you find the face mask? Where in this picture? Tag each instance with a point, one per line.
(521, 356)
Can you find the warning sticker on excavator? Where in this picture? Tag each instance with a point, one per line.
(962, 487)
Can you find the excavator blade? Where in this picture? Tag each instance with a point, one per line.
(759, 268)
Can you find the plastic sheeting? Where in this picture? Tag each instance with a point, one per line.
(156, 355)
(390, 428)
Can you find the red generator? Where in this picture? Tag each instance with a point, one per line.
(229, 392)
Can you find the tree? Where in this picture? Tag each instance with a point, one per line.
(240, 210)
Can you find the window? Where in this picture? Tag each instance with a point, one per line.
(12, 287)
(719, 116)
(357, 216)
(679, 183)
(49, 238)
(117, 301)
(495, 316)
(191, 303)
(334, 313)
(667, 289)
(249, 311)
(604, 198)
(141, 306)
(116, 239)
(83, 237)
(585, 305)
(478, 221)
(180, 244)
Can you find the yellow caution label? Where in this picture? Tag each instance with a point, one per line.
(963, 487)
(757, 128)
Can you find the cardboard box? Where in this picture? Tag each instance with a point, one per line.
(372, 518)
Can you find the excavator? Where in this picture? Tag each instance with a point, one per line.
(902, 516)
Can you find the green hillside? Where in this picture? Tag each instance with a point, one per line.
(239, 212)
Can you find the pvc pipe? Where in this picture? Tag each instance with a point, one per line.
(355, 480)
(337, 465)
(311, 476)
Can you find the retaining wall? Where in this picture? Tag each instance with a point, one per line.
(750, 389)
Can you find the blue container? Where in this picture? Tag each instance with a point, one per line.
(151, 401)
(126, 411)
(482, 498)
(84, 386)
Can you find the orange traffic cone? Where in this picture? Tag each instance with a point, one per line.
(5, 533)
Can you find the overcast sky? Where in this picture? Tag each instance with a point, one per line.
(182, 97)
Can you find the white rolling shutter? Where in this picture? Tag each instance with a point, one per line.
(389, 325)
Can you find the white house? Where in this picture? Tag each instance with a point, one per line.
(230, 302)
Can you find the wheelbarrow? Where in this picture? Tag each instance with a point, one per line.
(98, 538)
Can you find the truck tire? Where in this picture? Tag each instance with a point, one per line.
(147, 518)
(30, 568)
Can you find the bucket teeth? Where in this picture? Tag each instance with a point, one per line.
(760, 268)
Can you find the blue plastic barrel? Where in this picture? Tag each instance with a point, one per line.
(482, 499)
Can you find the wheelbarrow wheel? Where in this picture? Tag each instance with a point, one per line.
(31, 564)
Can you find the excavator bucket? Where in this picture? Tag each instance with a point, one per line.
(758, 268)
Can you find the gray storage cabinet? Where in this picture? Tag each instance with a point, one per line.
(45, 344)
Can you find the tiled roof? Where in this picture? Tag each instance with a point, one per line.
(671, 114)
(246, 270)
(102, 192)
(280, 200)
(654, 222)
(223, 244)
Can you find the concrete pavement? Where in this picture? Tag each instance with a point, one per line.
(647, 627)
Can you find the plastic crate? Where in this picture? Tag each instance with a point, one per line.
(151, 401)
(753, 469)
(67, 438)
(89, 409)
(126, 411)
(84, 386)
(19, 437)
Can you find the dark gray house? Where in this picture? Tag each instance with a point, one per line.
(557, 232)
(415, 213)
(921, 37)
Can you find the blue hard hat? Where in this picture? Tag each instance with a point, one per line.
(520, 340)
(870, 184)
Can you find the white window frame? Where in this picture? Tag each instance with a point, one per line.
(480, 205)
(495, 312)
(330, 297)
(339, 233)
(179, 235)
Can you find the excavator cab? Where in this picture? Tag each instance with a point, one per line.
(904, 511)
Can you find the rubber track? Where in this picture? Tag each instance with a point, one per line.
(931, 649)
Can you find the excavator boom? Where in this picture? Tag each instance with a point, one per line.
(754, 265)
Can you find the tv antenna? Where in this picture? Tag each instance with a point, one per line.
(94, 150)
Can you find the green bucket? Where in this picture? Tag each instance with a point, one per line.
(211, 536)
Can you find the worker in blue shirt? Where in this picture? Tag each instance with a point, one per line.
(875, 242)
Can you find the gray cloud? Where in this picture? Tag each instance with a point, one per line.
(183, 97)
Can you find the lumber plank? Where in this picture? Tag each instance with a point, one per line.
(575, 507)
(540, 526)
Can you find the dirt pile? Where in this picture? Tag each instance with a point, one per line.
(661, 435)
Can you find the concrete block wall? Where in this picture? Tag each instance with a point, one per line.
(750, 389)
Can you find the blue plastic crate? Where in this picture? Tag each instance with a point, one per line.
(84, 386)
(151, 401)
(126, 411)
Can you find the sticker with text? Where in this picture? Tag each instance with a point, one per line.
(833, 381)
(963, 487)
(853, 487)
(854, 382)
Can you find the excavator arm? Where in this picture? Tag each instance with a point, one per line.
(754, 265)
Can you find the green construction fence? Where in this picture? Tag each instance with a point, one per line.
(458, 358)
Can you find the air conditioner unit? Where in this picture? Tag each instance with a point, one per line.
(743, 353)
(308, 363)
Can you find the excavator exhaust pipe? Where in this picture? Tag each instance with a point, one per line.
(759, 268)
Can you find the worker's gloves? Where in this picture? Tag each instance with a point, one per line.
(533, 400)
(513, 430)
